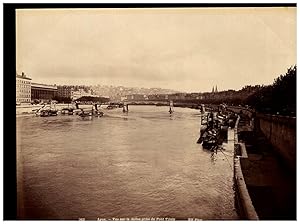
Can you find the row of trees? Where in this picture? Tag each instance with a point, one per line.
(278, 98)
(93, 99)
(61, 99)
(230, 97)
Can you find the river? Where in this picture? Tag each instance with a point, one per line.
(142, 164)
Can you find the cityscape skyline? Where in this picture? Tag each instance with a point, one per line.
(187, 50)
(214, 88)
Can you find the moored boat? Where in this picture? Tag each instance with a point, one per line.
(69, 111)
(48, 112)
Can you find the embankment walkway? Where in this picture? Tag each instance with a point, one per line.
(270, 183)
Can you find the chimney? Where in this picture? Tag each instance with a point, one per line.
(23, 74)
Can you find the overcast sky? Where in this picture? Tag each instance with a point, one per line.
(191, 49)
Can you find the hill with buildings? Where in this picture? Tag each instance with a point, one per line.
(278, 98)
(117, 93)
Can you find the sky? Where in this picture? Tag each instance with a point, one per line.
(184, 49)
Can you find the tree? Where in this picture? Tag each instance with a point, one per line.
(93, 99)
(61, 99)
(278, 98)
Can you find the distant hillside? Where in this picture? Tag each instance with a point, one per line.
(116, 92)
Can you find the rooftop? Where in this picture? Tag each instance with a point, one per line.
(23, 76)
(39, 85)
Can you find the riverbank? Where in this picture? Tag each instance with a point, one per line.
(30, 109)
(271, 185)
(25, 110)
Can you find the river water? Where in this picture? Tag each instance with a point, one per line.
(142, 164)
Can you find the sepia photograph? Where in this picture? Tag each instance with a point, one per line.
(156, 113)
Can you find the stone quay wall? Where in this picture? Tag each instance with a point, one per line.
(281, 132)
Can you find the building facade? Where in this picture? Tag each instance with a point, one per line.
(81, 93)
(23, 89)
(177, 96)
(65, 91)
(136, 97)
(43, 92)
